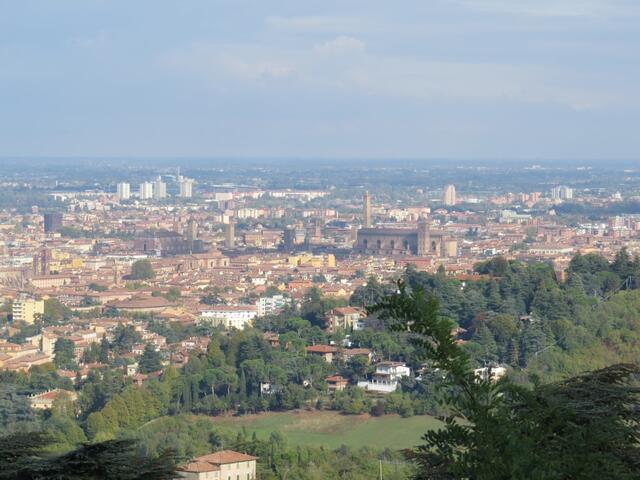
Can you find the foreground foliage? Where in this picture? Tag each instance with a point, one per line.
(586, 427)
(24, 456)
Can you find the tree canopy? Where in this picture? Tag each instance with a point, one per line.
(151, 361)
(23, 456)
(142, 270)
(64, 354)
(585, 427)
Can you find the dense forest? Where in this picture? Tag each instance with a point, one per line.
(521, 315)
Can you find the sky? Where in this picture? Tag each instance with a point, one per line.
(469, 79)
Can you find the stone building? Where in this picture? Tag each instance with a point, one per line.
(400, 241)
(168, 243)
(224, 465)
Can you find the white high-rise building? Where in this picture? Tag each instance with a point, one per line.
(562, 193)
(146, 190)
(124, 191)
(159, 189)
(567, 193)
(186, 188)
(449, 194)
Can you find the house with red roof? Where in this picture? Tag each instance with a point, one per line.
(223, 465)
(44, 401)
(325, 351)
(336, 383)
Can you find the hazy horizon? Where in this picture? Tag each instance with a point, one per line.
(212, 161)
(449, 79)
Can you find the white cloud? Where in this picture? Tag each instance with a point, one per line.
(257, 69)
(343, 64)
(481, 81)
(224, 62)
(340, 45)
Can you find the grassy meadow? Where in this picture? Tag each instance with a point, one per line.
(331, 429)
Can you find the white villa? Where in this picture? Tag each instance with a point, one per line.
(229, 316)
(386, 377)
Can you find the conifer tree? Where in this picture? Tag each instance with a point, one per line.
(151, 361)
(586, 427)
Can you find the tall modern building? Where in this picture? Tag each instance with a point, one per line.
(146, 190)
(124, 191)
(367, 210)
(52, 222)
(159, 189)
(449, 194)
(230, 234)
(186, 188)
(562, 193)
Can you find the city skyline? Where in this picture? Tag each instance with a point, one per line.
(323, 239)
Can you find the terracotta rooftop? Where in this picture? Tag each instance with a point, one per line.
(149, 302)
(52, 394)
(355, 351)
(224, 457)
(345, 311)
(321, 349)
(199, 467)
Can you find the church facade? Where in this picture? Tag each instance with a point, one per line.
(400, 241)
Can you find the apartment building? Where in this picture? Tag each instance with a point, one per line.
(27, 309)
(229, 316)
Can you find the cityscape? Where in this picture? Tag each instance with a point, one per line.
(320, 240)
(136, 282)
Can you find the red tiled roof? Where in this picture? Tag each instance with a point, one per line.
(52, 394)
(224, 457)
(149, 302)
(321, 349)
(345, 311)
(199, 467)
(350, 352)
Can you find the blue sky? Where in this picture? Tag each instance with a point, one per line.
(488, 79)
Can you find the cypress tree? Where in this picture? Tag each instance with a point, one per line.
(242, 386)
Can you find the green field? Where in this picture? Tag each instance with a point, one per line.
(331, 429)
